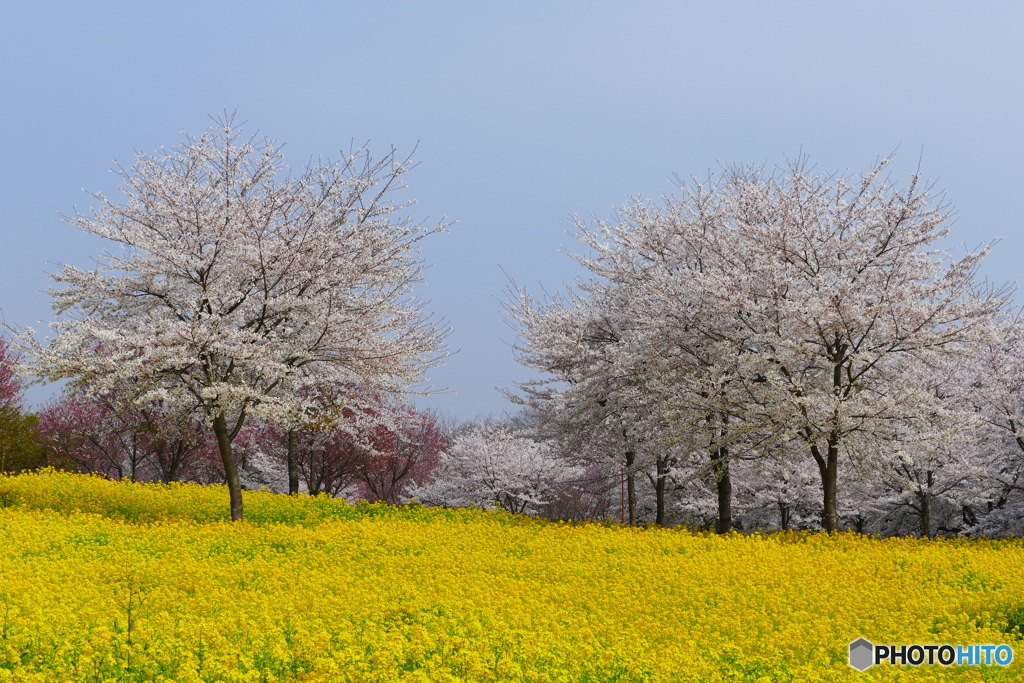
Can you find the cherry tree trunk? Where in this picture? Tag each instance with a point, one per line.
(220, 429)
(784, 514)
(293, 463)
(828, 466)
(660, 484)
(723, 484)
(926, 517)
(631, 486)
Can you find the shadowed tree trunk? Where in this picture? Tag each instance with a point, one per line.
(660, 482)
(631, 486)
(924, 497)
(293, 463)
(828, 467)
(220, 429)
(784, 515)
(723, 483)
(926, 516)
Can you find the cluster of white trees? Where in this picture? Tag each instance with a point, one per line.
(780, 345)
(774, 348)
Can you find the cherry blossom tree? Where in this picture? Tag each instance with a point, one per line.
(780, 491)
(616, 374)
(931, 465)
(491, 465)
(590, 398)
(997, 369)
(233, 286)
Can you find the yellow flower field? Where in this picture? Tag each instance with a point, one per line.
(108, 581)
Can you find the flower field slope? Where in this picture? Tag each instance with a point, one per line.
(107, 581)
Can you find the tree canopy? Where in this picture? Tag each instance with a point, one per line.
(234, 289)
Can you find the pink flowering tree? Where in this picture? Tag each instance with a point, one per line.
(402, 449)
(178, 447)
(85, 434)
(323, 461)
(372, 454)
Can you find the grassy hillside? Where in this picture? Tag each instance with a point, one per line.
(102, 580)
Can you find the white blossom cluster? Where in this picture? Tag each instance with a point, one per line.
(492, 465)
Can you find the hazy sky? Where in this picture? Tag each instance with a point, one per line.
(526, 113)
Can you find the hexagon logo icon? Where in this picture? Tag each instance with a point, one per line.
(861, 654)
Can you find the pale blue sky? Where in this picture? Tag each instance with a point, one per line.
(525, 113)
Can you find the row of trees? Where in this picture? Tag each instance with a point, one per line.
(771, 328)
(417, 458)
(507, 465)
(363, 459)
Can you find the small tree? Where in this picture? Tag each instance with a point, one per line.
(85, 433)
(401, 449)
(590, 398)
(235, 286)
(492, 465)
(177, 445)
